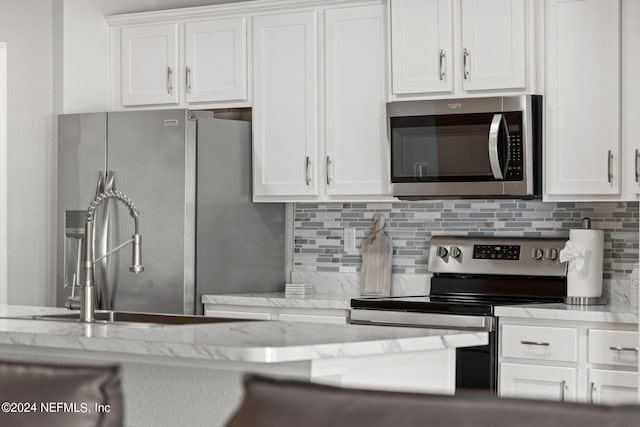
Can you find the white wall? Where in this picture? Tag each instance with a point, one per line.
(58, 62)
(26, 28)
(3, 173)
(81, 48)
(81, 51)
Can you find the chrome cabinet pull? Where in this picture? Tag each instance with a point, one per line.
(563, 387)
(593, 391)
(170, 80)
(465, 61)
(443, 57)
(538, 343)
(328, 170)
(610, 166)
(617, 348)
(637, 161)
(188, 80)
(306, 171)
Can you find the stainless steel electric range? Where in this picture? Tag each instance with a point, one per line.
(471, 276)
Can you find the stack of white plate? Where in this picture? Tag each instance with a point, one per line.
(297, 289)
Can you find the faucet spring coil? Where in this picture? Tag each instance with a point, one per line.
(111, 195)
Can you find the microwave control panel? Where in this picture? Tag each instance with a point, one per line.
(515, 168)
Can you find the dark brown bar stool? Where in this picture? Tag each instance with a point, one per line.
(33, 394)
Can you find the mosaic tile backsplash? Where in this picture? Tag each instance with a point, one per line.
(319, 228)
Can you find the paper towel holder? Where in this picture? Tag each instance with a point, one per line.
(573, 300)
(580, 300)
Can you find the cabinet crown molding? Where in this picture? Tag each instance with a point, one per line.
(244, 7)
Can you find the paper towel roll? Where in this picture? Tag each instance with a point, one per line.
(584, 275)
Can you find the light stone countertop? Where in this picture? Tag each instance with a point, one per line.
(560, 311)
(242, 341)
(336, 301)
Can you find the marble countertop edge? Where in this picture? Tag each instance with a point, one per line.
(282, 300)
(559, 311)
(252, 342)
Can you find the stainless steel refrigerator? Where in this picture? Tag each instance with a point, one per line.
(189, 175)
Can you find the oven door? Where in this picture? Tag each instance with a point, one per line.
(476, 367)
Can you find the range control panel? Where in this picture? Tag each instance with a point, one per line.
(497, 255)
(503, 252)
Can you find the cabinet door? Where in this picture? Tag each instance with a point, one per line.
(612, 387)
(355, 137)
(215, 60)
(421, 46)
(583, 97)
(493, 52)
(537, 382)
(149, 63)
(631, 98)
(285, 112)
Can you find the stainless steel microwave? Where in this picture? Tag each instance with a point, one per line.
(466, 148)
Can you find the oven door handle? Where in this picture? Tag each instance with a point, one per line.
(422, 320)
(497, 124)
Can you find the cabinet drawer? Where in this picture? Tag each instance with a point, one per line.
(613, 347)
(310, 318)
(227, 314)
(543, 343)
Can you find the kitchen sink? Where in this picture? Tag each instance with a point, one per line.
(139, 317)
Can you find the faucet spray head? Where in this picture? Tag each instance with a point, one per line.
(136, 254)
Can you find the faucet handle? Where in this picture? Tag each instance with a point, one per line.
(72, 303)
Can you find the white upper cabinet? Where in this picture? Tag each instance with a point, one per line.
(422, 46)
(460, 47)
(319, 117)
(493, 44)
(195, 63)
(285, 114)
(216, 60)
(149, 64)
(583, 98)
(355, 131)
(631, 98)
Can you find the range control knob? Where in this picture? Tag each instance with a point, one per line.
(551, 254)
(442, 252)
(537, 253)
(455, 251)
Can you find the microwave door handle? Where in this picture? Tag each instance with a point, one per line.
(494, 157)
(506, 146)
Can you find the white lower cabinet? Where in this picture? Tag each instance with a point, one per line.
(285, 314)
(612, 387)
(537, 382)
(563, 360)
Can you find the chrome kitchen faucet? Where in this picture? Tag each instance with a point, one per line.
(87, 295)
